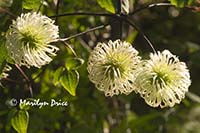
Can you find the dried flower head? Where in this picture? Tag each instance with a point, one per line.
(29, 37)
(111, 67)
(163, 80)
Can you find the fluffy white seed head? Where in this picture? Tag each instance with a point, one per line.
(111, 67)
(29, 37)
(162, 80)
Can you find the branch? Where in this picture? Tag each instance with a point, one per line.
(84, 32)
(120, 21)
(150, 6)
(40, 6)
(14, 81)
(82, 14)
(2, 10)
(141, 32)
(57, 10)
(66, 44)
(26, 78)
(22, 72)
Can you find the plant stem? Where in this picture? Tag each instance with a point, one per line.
(26, 78)
(66, 44)
(22, 72)
(120, 21)
(8, 12)
(82, 13)
(84, 32)
(40, 6)
(11, 80)
(141, 32)
(150, 6)
(57, 10)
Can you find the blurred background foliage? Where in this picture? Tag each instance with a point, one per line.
(176, 28)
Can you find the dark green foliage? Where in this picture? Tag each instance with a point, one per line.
(66, 77)
(31, 4)
(107, 4)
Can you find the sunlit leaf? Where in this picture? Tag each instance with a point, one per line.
(107, 4)
(132, 36)
(20, 121)
(69, 80)
(181, 3)
(31, 4)
(73, 63)
(57, 75)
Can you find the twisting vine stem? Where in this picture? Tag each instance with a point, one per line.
(2, 10)
(66, 44)
(141, 32)
(57, 10)
(120, 17)
(40, 6)
(84, 32)
(82, 14)
(150, 6)
(120, 21)
(117, 17)
(26, 78)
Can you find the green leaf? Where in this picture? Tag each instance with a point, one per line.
(132, 36)
(107, 4)
(69, 80)
(73, 63)
(57, 75)
(31, 4)
(181, 3)
(20, 121)
(3, 56)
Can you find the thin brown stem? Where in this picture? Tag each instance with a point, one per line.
(82, 14)
(84, 32)
(26, 78)
(150, 6)
(22, 72)
(7, 12)
(40, 6)
(12, 80)
(57, 10)
(141, 32)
